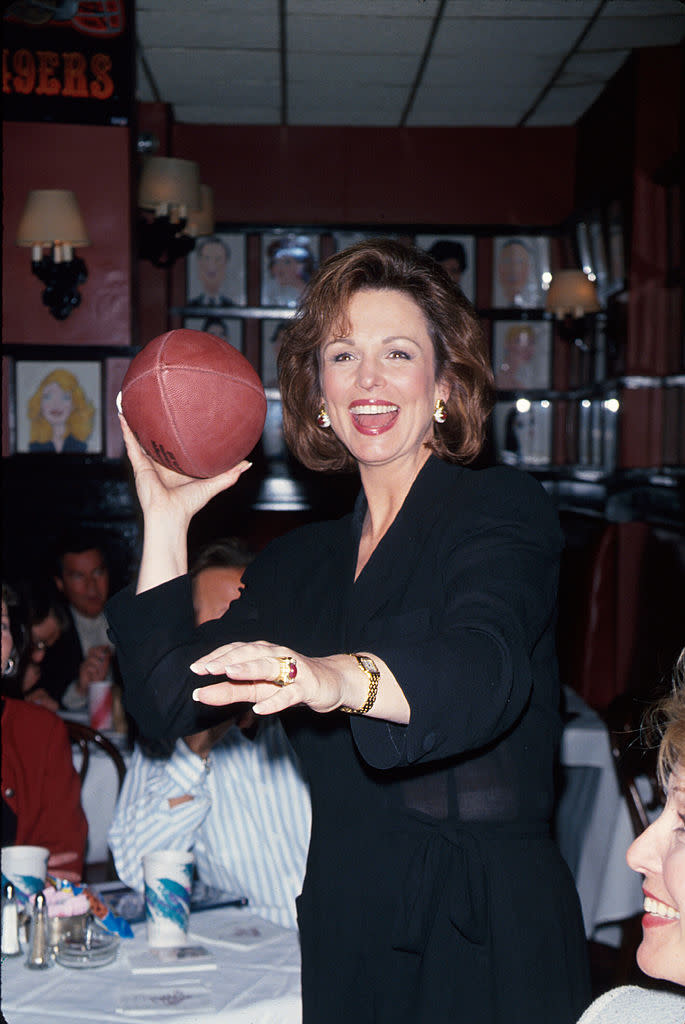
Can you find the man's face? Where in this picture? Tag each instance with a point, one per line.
(211, 265)
(213, 591)
(453, 268)
(85, 581)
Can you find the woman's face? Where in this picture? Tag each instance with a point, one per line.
(7, 642)
(287, 272)
(513, 269)
(659, 855)
(379, 383)
(56, 404)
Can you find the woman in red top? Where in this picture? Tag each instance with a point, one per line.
(41, 792)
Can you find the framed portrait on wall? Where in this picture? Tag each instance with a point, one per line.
(115, 371)
(522, 354)
(616, 247)
(583, 247)
(224, 327)
(521, 271)
(58, 406)
(457, 254)
(289, 259)
(523, 432)
(344, 239)
(215, 271)
(599, 258)
(272, 336)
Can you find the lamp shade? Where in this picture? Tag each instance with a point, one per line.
(51, 215)
(166, 181)
(571, 291)
(201, 222)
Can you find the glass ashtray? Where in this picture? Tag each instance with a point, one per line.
(97, 948)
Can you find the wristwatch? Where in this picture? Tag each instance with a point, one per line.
(372, 672)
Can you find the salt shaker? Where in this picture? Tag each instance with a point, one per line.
(10, 923)
(39, 953)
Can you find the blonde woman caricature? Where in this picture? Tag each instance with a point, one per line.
(60, 415)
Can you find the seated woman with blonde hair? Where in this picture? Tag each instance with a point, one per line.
(659, 855)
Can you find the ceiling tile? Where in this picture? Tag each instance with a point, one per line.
(631, 33)
(594, 66)
(185, 75)
(564, 105)
(369, 34)
(351, 73)
(508, 35)
(222, 29)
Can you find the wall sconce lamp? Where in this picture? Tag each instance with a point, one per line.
(52, 219)
(571, 297)
(171, 197)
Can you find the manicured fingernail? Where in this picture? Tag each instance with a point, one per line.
(119, 409)
(196, 694)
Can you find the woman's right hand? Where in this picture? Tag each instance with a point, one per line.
(169, 501)
(163, 491)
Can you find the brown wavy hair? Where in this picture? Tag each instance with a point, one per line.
(461, 355)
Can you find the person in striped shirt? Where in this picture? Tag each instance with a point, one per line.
(233, 793)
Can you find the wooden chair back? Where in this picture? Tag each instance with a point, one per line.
(85, 737)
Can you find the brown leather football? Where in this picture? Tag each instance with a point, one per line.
(194, 402)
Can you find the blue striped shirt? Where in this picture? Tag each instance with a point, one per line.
(248, 822)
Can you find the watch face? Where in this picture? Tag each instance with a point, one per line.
(368, 664)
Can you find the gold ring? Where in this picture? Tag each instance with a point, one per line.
(287, 670)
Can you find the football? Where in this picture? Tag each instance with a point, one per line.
(195, 404)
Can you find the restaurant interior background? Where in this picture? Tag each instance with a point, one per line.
(320, 157)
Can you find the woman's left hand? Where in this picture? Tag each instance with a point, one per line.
(253, 670)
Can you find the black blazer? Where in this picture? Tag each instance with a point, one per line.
(429, 841)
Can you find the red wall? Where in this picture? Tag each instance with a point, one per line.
(95, 163)
(336, 176)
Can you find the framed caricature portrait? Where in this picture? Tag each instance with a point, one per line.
(522, 354)
(457, 254)
(616, 247)
(521, 271)
(272, 336)
(288, 261)
(224, 327)
(523, 432)
(344, 239)
(215, 271)
(58, 406)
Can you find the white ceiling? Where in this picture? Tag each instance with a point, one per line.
(391, 62)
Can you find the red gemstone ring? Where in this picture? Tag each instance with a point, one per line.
(286, 672)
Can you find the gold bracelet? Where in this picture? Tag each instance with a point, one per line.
(372, 672)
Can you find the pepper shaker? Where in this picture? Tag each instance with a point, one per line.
(10, 923)
(39, 954)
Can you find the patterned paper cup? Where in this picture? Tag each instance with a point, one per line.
(168, 884)
(100, 705)
(25, 867)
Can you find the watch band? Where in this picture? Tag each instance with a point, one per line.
(372, 672)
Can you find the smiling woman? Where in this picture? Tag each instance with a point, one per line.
(410, 648)
(659, 855)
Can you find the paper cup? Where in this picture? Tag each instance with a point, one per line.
(168, 878)
(25, 867)
(100, 705)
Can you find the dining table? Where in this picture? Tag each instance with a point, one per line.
(254, 979)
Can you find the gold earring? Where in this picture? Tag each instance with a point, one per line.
(323, 419)
(440, 411)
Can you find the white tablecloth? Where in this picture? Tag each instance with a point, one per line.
(260, 985)
(596, 814)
